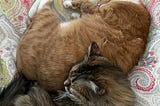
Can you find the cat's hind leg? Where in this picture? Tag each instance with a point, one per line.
(44, 12)
(34, 8)
(76, 4)
(38, 5)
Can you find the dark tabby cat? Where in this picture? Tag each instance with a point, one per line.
(48, 48)
(97, 82)
(22, 92)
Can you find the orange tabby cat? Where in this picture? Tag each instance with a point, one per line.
(48, 49)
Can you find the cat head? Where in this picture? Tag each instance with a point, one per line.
(91, 61)
(97, 79)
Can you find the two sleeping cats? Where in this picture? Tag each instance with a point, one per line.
(94, 81)
(49, 49)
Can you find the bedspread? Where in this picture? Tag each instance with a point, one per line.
(13, 22)
(144, 78)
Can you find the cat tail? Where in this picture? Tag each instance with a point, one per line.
(17, 87)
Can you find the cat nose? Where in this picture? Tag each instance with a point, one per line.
(67, 82)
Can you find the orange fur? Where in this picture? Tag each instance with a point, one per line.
(47, 51)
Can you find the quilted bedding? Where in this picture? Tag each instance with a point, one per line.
(144, 78)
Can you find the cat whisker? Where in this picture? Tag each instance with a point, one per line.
(67, 90)
(61, 95)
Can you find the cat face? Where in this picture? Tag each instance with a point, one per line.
(92, 61)
(96, 79)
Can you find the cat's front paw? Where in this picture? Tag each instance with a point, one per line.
(72, 4)
(67, 3)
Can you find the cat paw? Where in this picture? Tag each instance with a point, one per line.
(75, 15)
(67, 3)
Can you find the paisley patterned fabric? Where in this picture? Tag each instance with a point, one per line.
(13, 22)
(145, 77)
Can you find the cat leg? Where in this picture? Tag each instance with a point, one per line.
(76, 4)
(38, 5)
(67, 3)
(44, 9)
(84, 6)
(46, 15)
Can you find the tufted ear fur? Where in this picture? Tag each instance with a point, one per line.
(94, 50)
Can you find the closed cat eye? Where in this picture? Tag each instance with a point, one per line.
(75, 76)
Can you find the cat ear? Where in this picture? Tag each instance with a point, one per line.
(94, 50)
